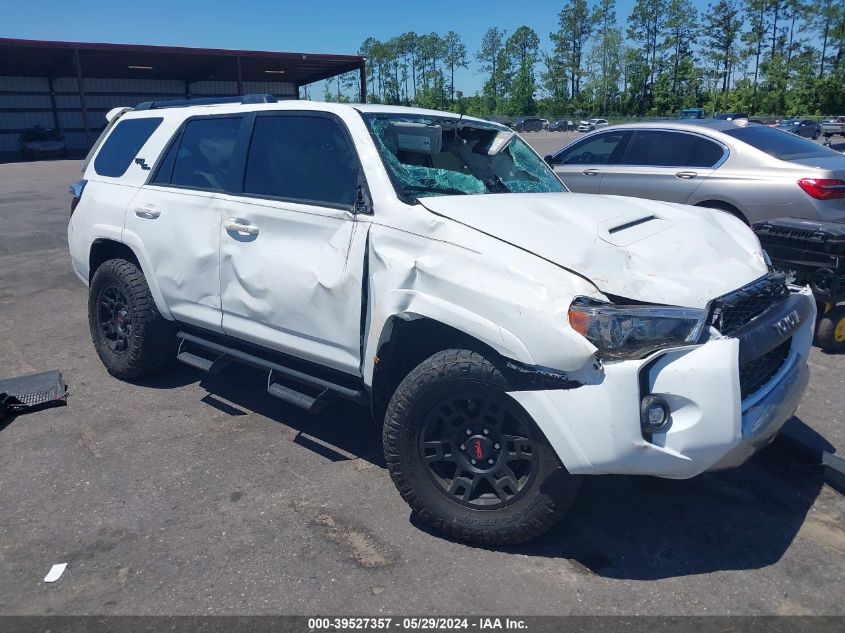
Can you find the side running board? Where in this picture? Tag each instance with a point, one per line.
(294, 387)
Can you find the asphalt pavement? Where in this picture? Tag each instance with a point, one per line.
(191, 494)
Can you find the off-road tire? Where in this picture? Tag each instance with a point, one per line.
(150, 346)
(829, 333)
(450, 373)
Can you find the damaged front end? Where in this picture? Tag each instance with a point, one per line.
(700, 391)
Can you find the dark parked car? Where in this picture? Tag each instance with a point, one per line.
(41, 142)
(562, 125)
(529, 124)
(731, 116)
(804, 127)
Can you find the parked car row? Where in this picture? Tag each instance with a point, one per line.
(536, 124)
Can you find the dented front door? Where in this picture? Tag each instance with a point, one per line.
(291, 265)
(291, 280)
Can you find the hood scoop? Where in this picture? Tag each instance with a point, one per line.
(631, 224)
(631, 228)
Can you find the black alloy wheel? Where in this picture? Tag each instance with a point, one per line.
(115, 318)
(477, 450)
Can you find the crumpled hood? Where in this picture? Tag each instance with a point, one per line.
(650, 251)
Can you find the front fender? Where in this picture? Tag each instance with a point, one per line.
(408, 305)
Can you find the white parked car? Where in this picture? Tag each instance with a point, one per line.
(508, 335)
(592, 124)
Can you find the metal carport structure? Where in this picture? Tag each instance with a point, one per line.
(71, 85)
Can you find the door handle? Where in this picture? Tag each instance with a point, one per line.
(241, 227)
(591, 172)
(686, 175)
(147, 212)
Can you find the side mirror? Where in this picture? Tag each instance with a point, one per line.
(550, 160)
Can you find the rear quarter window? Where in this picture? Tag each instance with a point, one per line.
(780, 144)
(123, 145)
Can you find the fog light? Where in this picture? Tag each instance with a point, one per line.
(654, 414)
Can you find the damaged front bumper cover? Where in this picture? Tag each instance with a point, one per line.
(596, 428)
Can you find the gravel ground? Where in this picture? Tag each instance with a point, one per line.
(203, 495)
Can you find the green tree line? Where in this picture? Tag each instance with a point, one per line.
(775, 57)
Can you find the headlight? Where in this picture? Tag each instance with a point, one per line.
(632, 331)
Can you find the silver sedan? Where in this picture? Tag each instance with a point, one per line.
(750, 170)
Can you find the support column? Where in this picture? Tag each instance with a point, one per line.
(53, 103)
(240, 76)
(83, 106)
(362, 70)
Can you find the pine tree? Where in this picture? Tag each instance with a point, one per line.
(569, 40)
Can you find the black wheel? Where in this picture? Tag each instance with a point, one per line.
(815, 135)
(467, 458)
(131, 337)
(830, 333)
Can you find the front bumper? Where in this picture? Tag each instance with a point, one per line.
(595, 428)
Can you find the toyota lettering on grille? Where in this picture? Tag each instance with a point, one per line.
(788, 323)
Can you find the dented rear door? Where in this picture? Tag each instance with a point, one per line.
(175, 217)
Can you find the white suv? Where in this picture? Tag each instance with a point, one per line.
(509, 336)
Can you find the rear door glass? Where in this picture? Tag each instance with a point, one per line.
(659, 149)
(203, 159)
(123, 144)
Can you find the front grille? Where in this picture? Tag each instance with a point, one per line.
(730, 312)
(756, 373)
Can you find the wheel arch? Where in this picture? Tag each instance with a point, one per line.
(426, 325)
(105, 248)
(727, 207)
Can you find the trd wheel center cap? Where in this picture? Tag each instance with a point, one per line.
(479, 448)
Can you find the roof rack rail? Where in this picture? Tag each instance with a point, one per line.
(184, 103)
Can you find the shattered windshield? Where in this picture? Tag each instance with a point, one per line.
(434, 156)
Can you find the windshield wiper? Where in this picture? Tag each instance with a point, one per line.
(446, 190)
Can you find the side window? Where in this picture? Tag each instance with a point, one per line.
(602, 149)
(164, 170)
(704, 153)
(205, 152)
(123, 144)
(301, 157)
(659, 149)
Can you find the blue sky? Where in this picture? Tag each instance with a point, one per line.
(318, 26)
